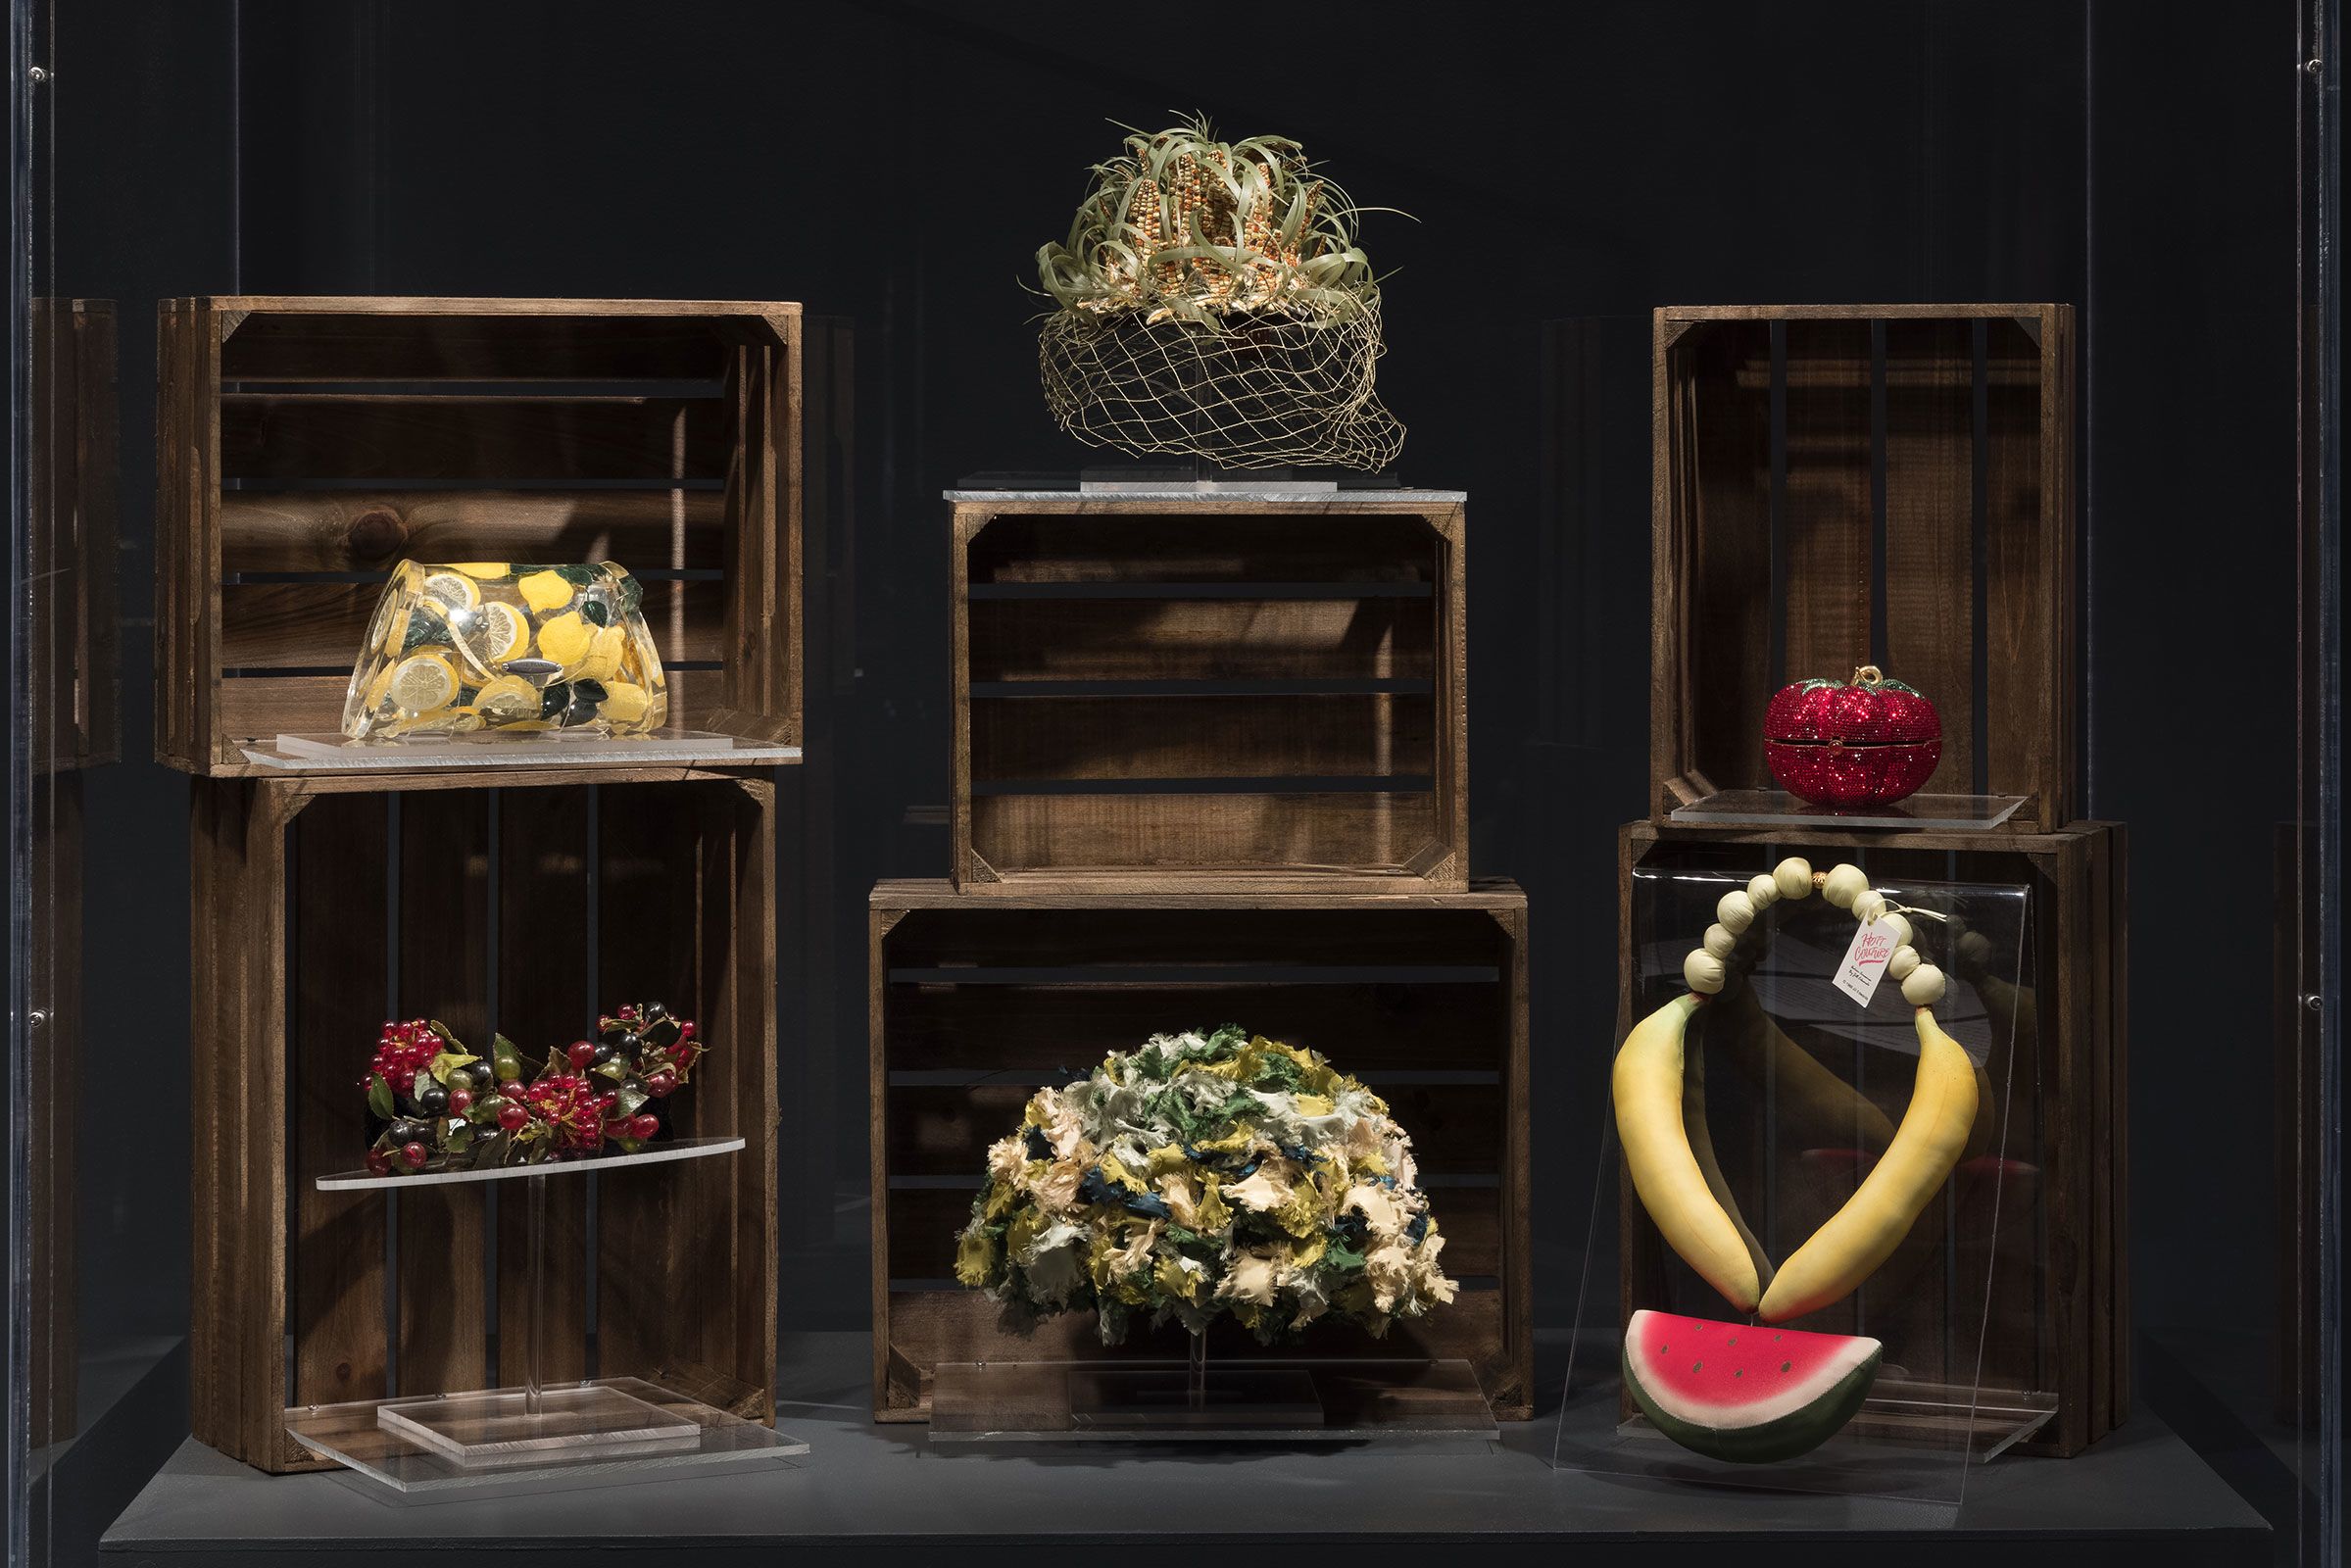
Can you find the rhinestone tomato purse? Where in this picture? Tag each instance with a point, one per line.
(1869, 741)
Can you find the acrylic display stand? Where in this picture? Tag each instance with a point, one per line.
(1950, 813)
(1154, 1401)
(310, 753)
(538, 1437)
(1955, 1385)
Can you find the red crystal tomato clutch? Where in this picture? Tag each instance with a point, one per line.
(1865, 742)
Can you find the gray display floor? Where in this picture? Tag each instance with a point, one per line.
(874, 1493)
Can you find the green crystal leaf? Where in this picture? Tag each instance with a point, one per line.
(447, 1063)
(594, 612)
(424, 627)
(380, 1096)
(576, 576)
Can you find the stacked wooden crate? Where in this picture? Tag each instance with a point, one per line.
(1210, 768)
(1840, 485)
(306, 446)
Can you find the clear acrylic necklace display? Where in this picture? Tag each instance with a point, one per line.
(1962, 1376)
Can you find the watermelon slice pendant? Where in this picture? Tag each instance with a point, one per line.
(1743, 1393)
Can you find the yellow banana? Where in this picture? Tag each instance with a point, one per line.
(1647, 1087)
(1865, 1232)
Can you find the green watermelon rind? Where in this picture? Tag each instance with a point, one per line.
(1786, 1437)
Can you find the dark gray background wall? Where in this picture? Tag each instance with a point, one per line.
(896, 162)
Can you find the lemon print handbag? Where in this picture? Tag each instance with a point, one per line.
(491, 645)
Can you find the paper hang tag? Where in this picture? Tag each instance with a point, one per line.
(1865, 962)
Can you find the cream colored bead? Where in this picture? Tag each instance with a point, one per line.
(1720, 940)
(1871, 906)
(1924, 986)
(1904, 959)
(1703, 971)
(1735, 912)
(1900, 924)
(1763, 893)
(1793, 877)
(1845, 884)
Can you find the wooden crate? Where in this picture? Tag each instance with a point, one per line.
(2059, 1319)
(324, 906)
(1837, 485)
(1248, 694)
(977, 1002)
(306, 445)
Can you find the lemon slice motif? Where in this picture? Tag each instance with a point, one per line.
(501, 632)
(423, 683)
(508, 697)
(453, 589)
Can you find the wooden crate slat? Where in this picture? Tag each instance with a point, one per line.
(945, 1130)
(543, 1003)
(1201, 638)
(1272, 735)
(1825, 524)
(1067, 1027)
(2030, 665)
(1155, 928)
(1453, 1006)
(313, 624)
(373, 530)
(1109, 541)
(341, 997)
(1929, 532)
(1354, 833)
(685, 1271)
(444, 934)
(280, 436)
(574, 340)
(1763, 544)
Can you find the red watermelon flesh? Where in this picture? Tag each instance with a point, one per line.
(1746, 1394)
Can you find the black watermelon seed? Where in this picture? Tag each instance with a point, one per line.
(1697, 1366)
(1784, 1366)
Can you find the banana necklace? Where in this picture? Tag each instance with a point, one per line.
(1696, 1214)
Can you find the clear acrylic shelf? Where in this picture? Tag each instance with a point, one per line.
(1766, 807)
(323, 753)
(659, 1155)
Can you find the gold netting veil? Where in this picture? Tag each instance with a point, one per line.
(1213, 301)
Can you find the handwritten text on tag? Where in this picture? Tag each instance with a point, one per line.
(1865, 962)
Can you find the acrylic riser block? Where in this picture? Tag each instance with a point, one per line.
(1793, 1139)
